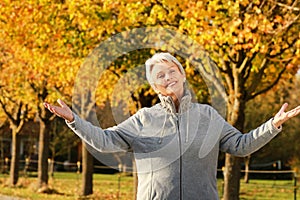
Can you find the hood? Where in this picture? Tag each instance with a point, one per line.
(168, 104)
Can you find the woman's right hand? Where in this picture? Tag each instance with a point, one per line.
(62, 111)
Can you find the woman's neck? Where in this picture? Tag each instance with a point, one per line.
(176, 99)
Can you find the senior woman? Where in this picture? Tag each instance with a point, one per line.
(175, 143)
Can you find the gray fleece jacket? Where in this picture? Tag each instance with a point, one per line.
(176, 153)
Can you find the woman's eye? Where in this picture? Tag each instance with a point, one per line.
(160, 76)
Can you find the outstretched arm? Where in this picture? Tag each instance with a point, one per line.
(62, 110)
(283, 116)
(113, 139)
(233, 142)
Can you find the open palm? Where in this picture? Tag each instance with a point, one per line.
(283, 116)
(62, 110)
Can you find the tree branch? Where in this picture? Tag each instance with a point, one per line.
(245, 69)
(270, 86)
(257, 77)
(9, 115)
(212, 76)
(282, 50)
(286, 27)
(286, 6)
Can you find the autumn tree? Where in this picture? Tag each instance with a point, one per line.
(37, 37)
(16, 113)
(52, 39)
(254, 44)
(13, 101)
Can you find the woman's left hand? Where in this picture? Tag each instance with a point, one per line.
(283, 116)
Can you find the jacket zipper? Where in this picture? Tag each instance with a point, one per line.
(180, 160)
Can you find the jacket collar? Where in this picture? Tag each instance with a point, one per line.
(169, 105)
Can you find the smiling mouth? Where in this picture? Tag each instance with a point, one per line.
(171, 84)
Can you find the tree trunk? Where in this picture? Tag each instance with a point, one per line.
(87, 171)
(14, 165)
(232, 175)
(247, 166)
(43, 157)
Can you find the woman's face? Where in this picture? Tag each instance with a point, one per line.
(168, 80)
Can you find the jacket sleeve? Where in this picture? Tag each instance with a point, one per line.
(236, 143)
(115, 139)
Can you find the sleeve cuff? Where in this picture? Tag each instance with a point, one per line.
(72, 124)
(274, 128)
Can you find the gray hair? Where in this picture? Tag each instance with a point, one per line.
(160, 58)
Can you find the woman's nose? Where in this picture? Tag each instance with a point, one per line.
(167, 76)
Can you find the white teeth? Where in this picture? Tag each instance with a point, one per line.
(171, 84)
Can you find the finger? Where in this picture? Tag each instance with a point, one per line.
(283, 107)
(293, 112)
(45, 104)
(48, 106)
(61, 103)
(52, 109)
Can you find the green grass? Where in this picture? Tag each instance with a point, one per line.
(268, 189)
(265, 190)
(67, 186)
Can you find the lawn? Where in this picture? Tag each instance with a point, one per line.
(268, 189)
(67, 186)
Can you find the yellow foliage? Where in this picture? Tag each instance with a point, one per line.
(49, 40)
